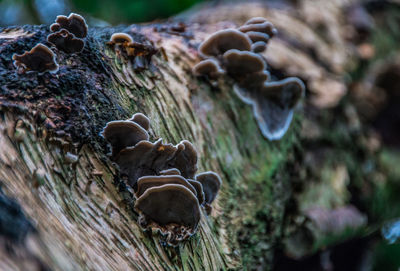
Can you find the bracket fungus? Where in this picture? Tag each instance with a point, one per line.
(221, 41)
(142, 120)
(211, 184)
(237, 52)
(40, 58)
(74, 24)
(120, 38)
(172, 208)
(66, 41)
(147, 182)
(273, 105)
(123, 133)
(185, 159)
(168, 200)
(69, 33)
(240, 63)
(208, 67)
(144, 159)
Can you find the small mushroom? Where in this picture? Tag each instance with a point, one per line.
(264, 27)
(123, 133)
(273, 105)
(221, 41)
(144, 159)
(256, 20)
(171, 171)
(74, 23)
(258, 36)
(258, 47)
(211, 183)
(120, 38)
(142, 120)
(147, 182)
(66, 41)
(169, 204)
(199, 190)
(208, 67)
(240, 63)
(40, 58)
(185, 159)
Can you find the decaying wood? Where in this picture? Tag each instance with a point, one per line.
(81, 210)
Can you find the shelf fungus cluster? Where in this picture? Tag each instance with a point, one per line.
(169, 194)
(236, 53)
(137, 53)
(68, 33)
(68, 37)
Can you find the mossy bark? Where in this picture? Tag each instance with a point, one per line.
(82, 210)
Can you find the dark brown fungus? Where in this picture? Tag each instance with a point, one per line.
(121, 38)
(65, 41)
(258, 47)
(173, 208)
(123, 133)
(240, 63)
(142, 120)
(208, 67)
(74, 23)
(147, 182)
(199, 190)
(171, 171)
(221, 41)
(273, 105)
(144, 159)
(211, 183)
(185, 159)
(40, 58)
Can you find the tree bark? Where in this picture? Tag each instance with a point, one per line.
(81, 210)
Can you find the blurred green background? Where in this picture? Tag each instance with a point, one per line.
(97, 12)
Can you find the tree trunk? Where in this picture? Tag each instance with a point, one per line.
(82, 213)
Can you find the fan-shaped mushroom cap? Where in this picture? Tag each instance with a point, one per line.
(123, 133)
(224, 40)
(121, 38)
(74, 23)
(66, 41)
(199, 190)
(240, 63)
(142, 120)
(40, 58)
(208, 67)
(256, 20)
(185, 159)
(144, 159)
(273, 105)
(258, 36)
(147, 182)
(258, 47)
(211, 183)
(170, 203)
(265, 27)
(171, 171)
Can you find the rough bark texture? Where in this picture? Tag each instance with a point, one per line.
(82, 212)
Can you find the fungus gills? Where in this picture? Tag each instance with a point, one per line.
(168, 200)
(237, 53)
(40, 58)
(69, 33)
